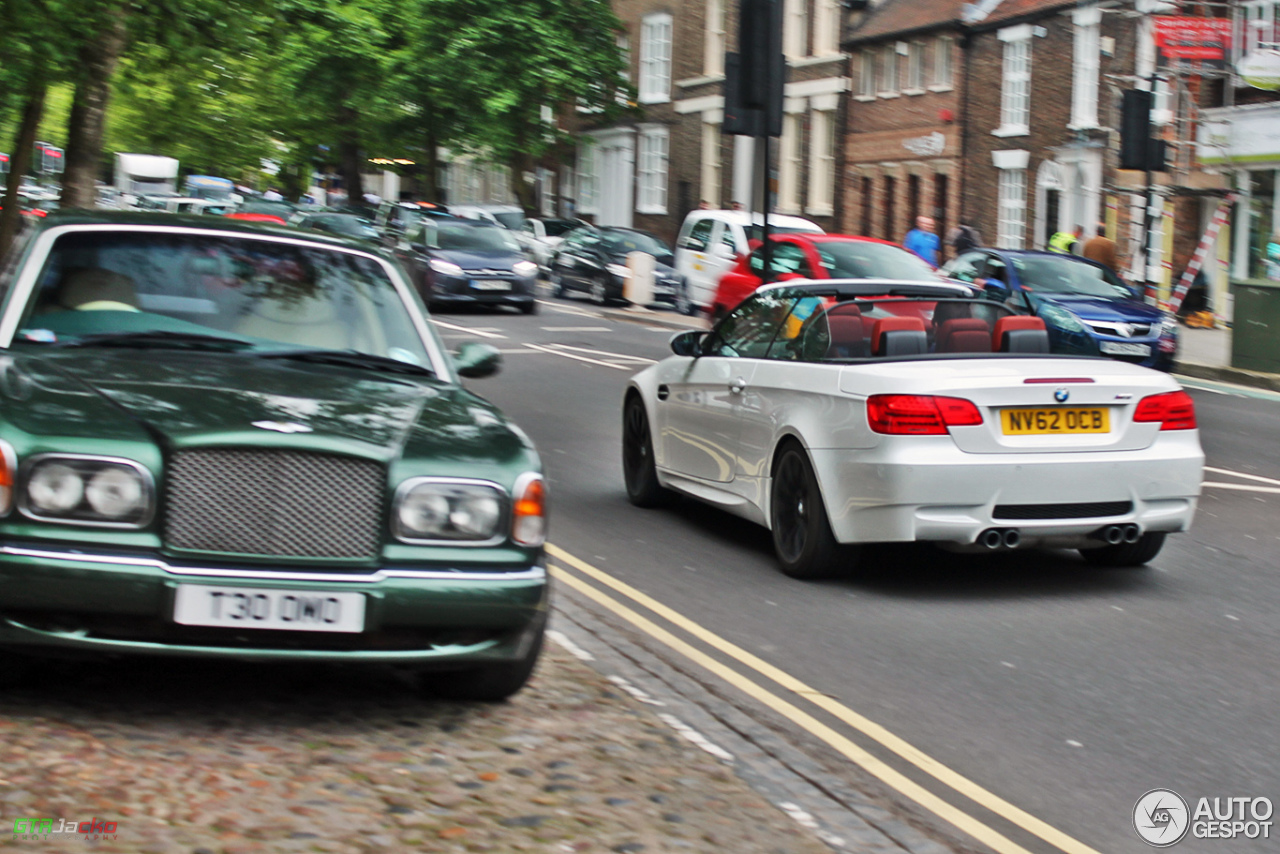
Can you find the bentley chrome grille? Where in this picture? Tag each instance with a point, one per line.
(273, 503)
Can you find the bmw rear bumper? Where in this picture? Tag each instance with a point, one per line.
(947, 495)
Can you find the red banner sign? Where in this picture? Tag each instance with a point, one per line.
(1181, 37)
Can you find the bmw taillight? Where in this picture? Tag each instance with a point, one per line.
(919, 415)
(1175, 410)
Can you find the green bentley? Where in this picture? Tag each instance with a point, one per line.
(221, 440)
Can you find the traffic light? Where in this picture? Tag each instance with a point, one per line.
(1137, 149)
(756, 75)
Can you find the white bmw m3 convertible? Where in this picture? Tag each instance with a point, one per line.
(840, 413)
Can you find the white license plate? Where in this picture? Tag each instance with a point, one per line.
(261, 608)
(1119, 348)
(491, 285)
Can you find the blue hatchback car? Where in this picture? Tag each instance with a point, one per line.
(1087, 309)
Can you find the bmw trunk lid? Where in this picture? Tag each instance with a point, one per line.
(1028, 406)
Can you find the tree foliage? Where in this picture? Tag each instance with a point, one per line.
(224, 84)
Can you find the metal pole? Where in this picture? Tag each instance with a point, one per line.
(1148, 291)
(767, 254)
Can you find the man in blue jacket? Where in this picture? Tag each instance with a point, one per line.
(922, 241)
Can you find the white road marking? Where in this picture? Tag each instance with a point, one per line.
(1230, 473)
(1245, 487)
(563, 309)
(593, 352)
(569, 646)
(634, 691)
(517, 351)
(575, 329)
(806, 820)
(482, 333)
(580, 358)
(696, 737)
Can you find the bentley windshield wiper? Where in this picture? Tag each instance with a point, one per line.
(161, 338)
(350, 359)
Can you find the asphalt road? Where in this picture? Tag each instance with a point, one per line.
(1065, 690)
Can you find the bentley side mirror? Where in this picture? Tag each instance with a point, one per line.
(474, 360)
(688, 343)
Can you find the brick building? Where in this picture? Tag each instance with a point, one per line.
(902, 144)
(649, 172)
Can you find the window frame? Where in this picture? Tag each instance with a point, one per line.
(822, 162)
(655, 58)
(915, 69)
(867, 75)
(1015, 82)
(1011, 209)
(943, 64)
(887, 76)
(652, 168)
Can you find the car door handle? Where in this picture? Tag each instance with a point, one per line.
(738, 385)
(663, 392)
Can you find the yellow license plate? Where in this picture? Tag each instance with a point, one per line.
(1035, 422)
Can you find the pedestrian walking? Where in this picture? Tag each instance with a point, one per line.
(922, 241)
(1066, 242)
(1102, 249)
(963, 238)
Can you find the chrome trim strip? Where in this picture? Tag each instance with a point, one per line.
(533, 573)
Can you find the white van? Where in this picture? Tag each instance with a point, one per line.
(710, 242)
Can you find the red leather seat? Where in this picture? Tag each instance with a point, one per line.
(964, 335)
(845, 327)
(898, 336)
(1020, 334)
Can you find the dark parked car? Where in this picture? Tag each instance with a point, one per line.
(468, 262)
(594, 260)
(341, 224)
(222, 441)
(1087, 309)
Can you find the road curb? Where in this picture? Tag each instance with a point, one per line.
(648, 318)
(1221, 373)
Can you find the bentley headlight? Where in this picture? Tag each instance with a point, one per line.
(55, 488)
(438, 509)
(115, 493)
(86, 490)
(524, 268)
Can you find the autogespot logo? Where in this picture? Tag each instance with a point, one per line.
(1161, 818)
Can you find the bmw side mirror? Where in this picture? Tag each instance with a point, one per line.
(474, 360)
(688, 343)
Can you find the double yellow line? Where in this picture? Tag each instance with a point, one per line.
(880, 770)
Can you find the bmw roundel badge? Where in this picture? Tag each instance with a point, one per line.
(1061, 395)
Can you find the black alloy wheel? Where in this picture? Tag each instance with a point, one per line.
(802, 537)
(1126, 554)
(638, 467)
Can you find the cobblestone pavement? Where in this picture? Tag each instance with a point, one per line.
(220, 758)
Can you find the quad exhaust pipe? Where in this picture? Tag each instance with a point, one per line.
(1114, 535)
(1000, 538)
